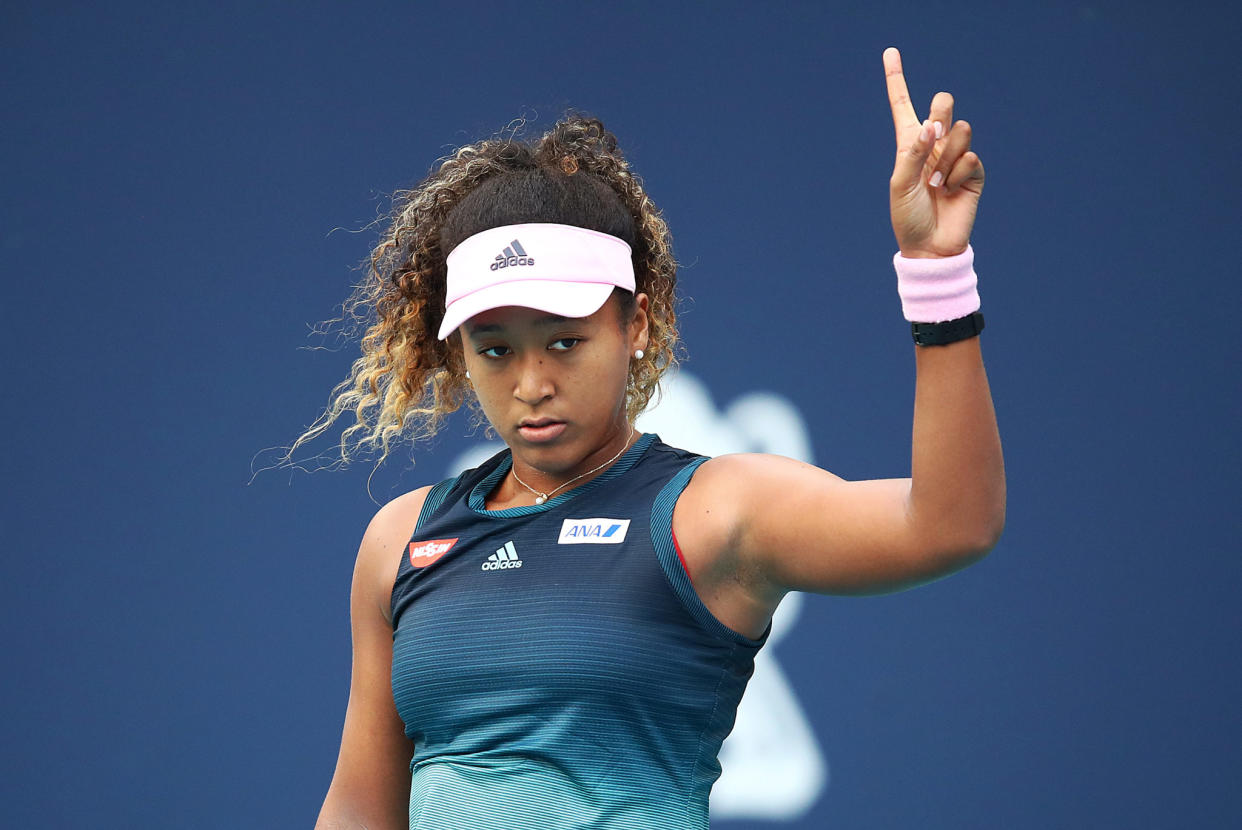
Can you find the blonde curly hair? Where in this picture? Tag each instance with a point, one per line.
(407, 381)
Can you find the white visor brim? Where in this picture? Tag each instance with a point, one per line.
(567, 299)
(560, 269)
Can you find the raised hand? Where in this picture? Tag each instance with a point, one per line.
(937, 179)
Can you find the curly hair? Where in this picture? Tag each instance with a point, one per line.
(407, 381)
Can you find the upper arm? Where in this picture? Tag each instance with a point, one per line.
(802, 528)
(371, 784)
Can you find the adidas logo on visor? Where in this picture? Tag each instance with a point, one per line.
(512, 256)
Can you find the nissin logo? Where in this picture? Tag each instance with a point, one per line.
(423, 554)
(593, 531)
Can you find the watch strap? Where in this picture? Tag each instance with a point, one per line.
(950, 331)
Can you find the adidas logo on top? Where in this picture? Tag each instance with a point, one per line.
(512, 256)
(503, 558)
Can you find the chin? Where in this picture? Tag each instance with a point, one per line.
(553, 454)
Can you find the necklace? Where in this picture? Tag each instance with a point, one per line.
(540, 498)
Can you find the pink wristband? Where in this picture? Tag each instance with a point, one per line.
(936, 290)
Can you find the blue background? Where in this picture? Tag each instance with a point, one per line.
(175, 637)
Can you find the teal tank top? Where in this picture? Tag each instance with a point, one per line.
(553, 665)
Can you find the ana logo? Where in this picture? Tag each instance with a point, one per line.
(512, 256)
(423, 554)
(593, 531)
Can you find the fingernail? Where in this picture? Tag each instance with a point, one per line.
(936, 179)
(939, 129)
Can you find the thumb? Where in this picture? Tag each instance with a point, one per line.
(908, 169)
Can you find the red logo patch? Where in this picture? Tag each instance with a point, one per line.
(423, 554)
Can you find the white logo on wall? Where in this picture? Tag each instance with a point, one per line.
(772, 765)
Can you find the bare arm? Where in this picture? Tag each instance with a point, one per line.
(791, 526)
(957, 489)
(371, 786)
(782, 525)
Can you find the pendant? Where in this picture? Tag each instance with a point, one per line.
(540, 499)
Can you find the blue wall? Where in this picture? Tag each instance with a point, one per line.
(176, 636)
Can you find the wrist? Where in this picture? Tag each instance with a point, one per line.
(918, 253)
(950, 331)
(936, 290)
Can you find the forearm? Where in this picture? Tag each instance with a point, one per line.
(338, 814)
(957, 494)
(371, 792)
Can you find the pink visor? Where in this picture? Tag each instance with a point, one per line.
(560, 269)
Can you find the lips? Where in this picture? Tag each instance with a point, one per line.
(540, 430)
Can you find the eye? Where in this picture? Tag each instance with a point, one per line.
(565, 344)
(494, 351)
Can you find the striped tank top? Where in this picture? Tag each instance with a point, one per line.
(553, 665)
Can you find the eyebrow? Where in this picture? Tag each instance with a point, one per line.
(490, 328)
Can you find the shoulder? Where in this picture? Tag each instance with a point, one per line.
(714, 497)
(396, 516)
(379, 555)
(713, 507)
(731, 498)
(747, 479)
(710, 524)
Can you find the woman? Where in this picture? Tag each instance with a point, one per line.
(560, 637)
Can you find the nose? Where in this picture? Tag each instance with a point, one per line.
(534, 381)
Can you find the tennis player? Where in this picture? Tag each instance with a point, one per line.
(560, 637)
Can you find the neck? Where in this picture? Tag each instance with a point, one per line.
(531, 482)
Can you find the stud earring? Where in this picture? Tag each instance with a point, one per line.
(467, 374)
(638, 354)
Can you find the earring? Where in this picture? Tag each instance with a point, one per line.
(467, 374)
(638, 354)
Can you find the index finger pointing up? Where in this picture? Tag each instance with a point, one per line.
(898, 95)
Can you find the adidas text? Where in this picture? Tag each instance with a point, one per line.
(504, 558)
(512, 256)
(492, 565)
(512, 261)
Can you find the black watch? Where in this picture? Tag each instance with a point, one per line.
(950, 331)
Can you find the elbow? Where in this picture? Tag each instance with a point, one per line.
(987, 531)
(978, 529)
(950, 537)
(957, 527)
(978, 540)
(994, 525)
(960, 545)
